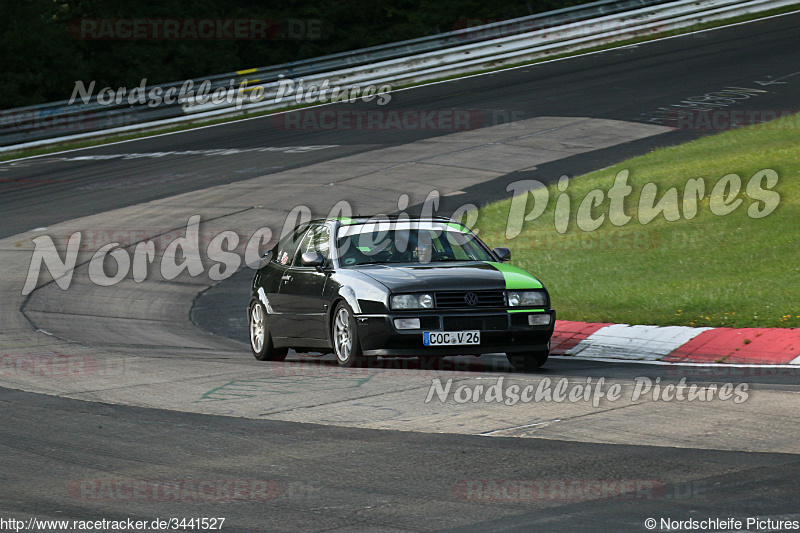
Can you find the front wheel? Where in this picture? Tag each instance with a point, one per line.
(526, 362)
(260, 338)
(345, 337)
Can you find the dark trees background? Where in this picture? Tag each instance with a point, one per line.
(42, 59)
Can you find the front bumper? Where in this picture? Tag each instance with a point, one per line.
(501, 331)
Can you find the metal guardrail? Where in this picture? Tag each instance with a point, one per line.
(58, 119)
(402, 62)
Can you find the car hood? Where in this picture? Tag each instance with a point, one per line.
(446, 276)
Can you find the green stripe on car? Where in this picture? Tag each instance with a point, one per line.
(515, 277)
(457, 225)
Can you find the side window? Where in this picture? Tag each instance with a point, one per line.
(437, 243)
(305, 246)
(287, 246)
(322, 241)
(316, 240)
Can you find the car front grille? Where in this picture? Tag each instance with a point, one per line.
(483, 323)
(468, 299)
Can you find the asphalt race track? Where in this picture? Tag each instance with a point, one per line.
(341, 479)
(155, 387)
(628, 84)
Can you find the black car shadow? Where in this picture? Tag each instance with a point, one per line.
(487, 363)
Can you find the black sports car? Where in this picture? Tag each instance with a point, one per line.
(396, 287)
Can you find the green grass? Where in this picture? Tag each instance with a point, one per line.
(730, 270)
(100, 140)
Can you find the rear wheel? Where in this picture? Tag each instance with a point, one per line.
(346, 344)
(260, 338)
(526, 362)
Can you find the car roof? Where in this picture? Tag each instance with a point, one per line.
(361, 219)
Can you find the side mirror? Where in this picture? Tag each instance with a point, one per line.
(503, 254)
(312, 259)
(262, 261)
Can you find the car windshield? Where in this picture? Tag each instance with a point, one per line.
(407, 242)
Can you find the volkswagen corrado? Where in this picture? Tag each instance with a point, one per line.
(425, 287)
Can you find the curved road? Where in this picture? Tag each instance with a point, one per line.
(313, 447)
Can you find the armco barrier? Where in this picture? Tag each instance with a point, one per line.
(60, 119)
(405, 62)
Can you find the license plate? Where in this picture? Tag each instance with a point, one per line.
(450, 338)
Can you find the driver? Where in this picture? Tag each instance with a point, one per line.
(423, 252)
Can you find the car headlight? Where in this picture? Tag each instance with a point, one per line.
(412, 301)
(526, 298)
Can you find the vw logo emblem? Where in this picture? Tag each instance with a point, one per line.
(471, 298)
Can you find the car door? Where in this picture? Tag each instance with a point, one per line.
(276, 272)
(302, 289)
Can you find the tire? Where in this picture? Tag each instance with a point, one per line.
(527, 362)
(260, 338)
(344, 334)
